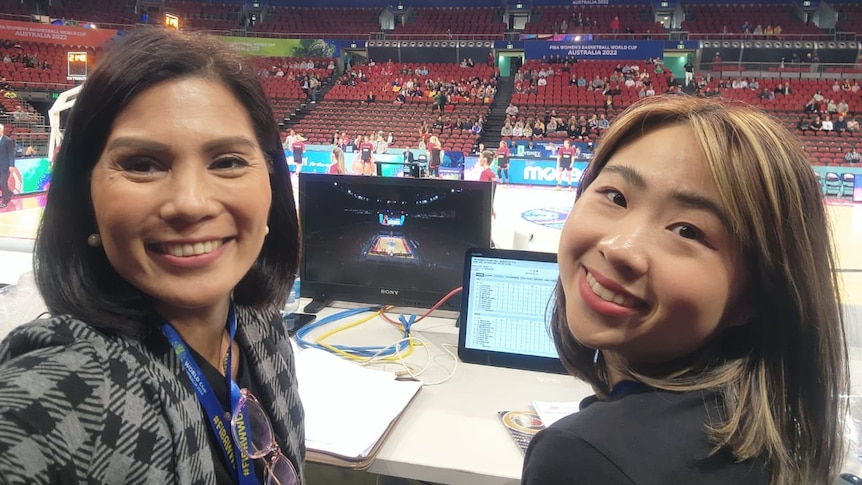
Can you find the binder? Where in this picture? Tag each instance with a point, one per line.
(349, 409)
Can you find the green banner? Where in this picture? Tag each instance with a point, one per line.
(256, 46)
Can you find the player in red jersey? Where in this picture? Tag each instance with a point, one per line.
(298, 149)
(485, 159)
(565, 157)
(503, 155)
(366, 155)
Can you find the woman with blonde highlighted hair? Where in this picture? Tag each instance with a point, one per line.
(337, 157)
(697, 297)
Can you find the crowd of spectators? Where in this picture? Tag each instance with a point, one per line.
(583, 127)
(13, 53)
(407, 82)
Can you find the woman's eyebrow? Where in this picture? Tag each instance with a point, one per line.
(685, 197)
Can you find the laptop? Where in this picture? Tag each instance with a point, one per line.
(505, 310)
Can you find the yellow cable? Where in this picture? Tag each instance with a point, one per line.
(348, 355)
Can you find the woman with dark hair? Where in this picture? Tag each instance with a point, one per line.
(710, 332)
(168, 244)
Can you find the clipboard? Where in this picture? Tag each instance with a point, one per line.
(350, 410)
(358, 464)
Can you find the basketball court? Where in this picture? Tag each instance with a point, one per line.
(391, 246)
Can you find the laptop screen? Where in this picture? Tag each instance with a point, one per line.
(506, 308)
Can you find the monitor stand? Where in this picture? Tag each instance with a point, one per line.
(315, 306)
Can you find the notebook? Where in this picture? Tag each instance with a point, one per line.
(505, 309)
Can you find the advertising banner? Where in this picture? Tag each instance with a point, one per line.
(30, 175)
(541, 172)
(257, 46)
(548, 149)
(54, 34)
(317, 159)
(609, 49)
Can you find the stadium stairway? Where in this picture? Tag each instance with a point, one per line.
(307, 106)
(497, 116)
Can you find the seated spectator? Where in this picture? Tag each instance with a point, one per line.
(539, 128)
(572, 130)
(804, 124)
(20, 115)
(603, 124)
(852, 125)
(843, 107)
(817, 124)
(852, 156)
(826, 124)
(766, 94)
(476, 129)
(518, 129)
(507, 129)
(370, 98)
(840, 125)
(512, 110)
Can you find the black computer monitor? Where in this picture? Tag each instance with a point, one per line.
(388, 240)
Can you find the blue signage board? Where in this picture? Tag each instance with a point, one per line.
(609, 49)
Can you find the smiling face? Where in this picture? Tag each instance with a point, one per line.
(647, 263)
(181, 194)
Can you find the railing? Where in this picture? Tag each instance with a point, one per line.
(851, 36)
(761, 70)
(19, 86)
(379, 35)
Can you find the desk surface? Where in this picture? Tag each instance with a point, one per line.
(450, 433)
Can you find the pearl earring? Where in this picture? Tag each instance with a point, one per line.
(94, 240)
(266, 230)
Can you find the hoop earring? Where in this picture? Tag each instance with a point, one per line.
(94, 240)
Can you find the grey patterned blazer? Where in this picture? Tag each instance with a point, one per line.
(80, 406)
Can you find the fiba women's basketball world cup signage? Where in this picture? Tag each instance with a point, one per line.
(611, 49)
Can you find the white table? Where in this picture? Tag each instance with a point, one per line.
(450, 433)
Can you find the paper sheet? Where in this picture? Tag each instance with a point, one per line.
(347, 407)
(551, 412)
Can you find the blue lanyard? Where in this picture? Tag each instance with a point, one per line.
(219, 421)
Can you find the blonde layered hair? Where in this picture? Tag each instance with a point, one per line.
(782, 374)
(338, 157)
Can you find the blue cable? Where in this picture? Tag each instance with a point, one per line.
(406, 323)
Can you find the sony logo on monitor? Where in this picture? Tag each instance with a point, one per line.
(388, 292)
